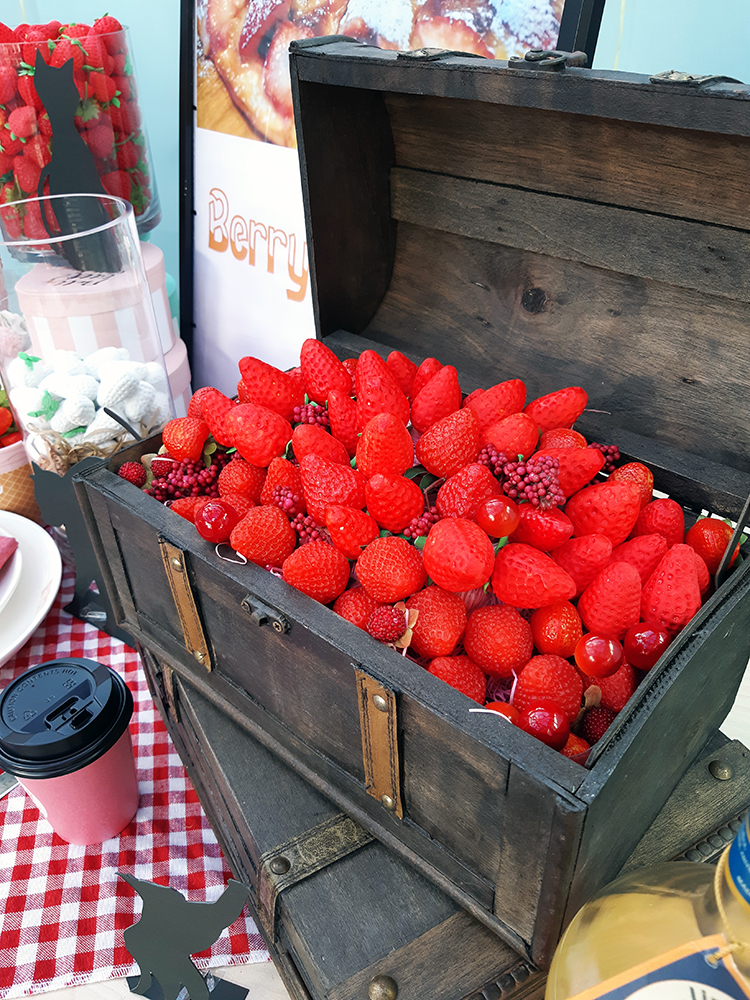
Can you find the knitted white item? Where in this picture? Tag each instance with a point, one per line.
(75, 411)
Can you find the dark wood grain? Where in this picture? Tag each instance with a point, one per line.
(710, 259)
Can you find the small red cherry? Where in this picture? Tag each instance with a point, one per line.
(215, 520)
(547, 722)
(598, 655)
(644, 643)
(510, 712)
(498, 516)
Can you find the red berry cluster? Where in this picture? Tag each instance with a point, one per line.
(420, 526)
(108, 116)
(287, 500)
(611, 455)
(307, 529)
(493, 459)
(310, 413)
(535, 481)
(191, 478)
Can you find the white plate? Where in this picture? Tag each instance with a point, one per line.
(41, 573)
(10, 573)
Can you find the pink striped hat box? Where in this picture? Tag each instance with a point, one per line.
(83, 311)
(178, 373)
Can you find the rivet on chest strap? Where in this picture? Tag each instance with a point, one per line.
(379, 728)
(184, 599)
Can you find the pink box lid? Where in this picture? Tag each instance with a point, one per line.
(46, 290)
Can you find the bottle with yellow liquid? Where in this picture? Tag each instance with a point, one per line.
(676, 931)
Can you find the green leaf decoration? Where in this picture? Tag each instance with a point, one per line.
(419, 542)
(128, 67)
(501, 543)
(384, 533)
(416, 470)
(486, 587)
(88, 109)
(426, 481)
(49, 407)
(72, 433)
(353, 462)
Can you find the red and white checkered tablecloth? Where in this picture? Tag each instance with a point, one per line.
(62, 908)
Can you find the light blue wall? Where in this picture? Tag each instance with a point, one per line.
(154, 29)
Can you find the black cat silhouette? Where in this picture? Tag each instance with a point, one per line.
(72, 170)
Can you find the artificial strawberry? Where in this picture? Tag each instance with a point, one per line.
(377, 390)
(214, 408)
(562, 437)
(583, 557)
(385, 446)
(162, 465)
(6, 419)
(132, 472)
(427, 369)
(322, 371)
(403, 370)
(575, 746)
(461, 495)
(356, 606)
(462, 674)
(450, 444)
(239, 476)
(497, 402)
(596, 722)
(318, 570)
(710, 537)
(394, 501)
(514, 435)
(617, 689)
(194, 406)
(558, 409)
(525, 577)
(282, 478)
(342, 417)
(556, 629)
(549, 677)
(241, 503)
(7, 84)
(498, 639)
(390, 569)
(310, 439)
(612, 601)
(350, 530)
(544, 528)
(258, 434)
(665, 517)
(441, 396)
(22, 122)
(704, 577)
(387, 623)
(671, 595)
(609, 509)
(324, 483)
(440, 623)
(187, 506)
(264, 536)
(644, 552)
(458, 555)
(636, 472)
(577, 466)
(268, 386)
(184, 437)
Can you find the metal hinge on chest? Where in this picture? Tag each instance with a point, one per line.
(184, 599)
(379, 728)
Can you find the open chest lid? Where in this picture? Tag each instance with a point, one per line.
(567, 228)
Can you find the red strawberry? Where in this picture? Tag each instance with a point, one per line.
(596, 722)
(27, 174)
(617, 689)
(351, 366)
(441, 396)
(390, 569)
(516, 434)
(671, 595)
(394, 501)
(440, 623)
(239, 476)
(710, 537)
(184, 437)
(575, 746)
(461, 495)
(636, 473)
(428, 368)
(403, 370)
(65, 50)
(462, 674)
(214, 408)
(342, 417)
(258, 434)
(22, 122)
(556, 628)
(105, 25)
(562, 437)
(458, 555)
(387, 624)
(241, 503)
(612, 601)
(609, 509)
(268, 386)
(665, 517)
(350, 529)
(449, 444)
(187, 506)
(584, 557)
(525, 577)
(324, 483)
(194, 406)
(281, 474)
(704, 577)
(497, 402)
(578, 466)
(318, 570)
(322, 371)
(356, 606)
(377, 390)
(309, 439)
(498, 639)
(385, 445)
(549, 677)
(133, 472)
(118, 184)
(544, 528)
(7, 84)
(27, 90)
(264, 536)
(558, 409)
(644, 552)
(100, 140)
(162, 465)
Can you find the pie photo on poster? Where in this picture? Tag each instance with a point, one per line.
(243, 84)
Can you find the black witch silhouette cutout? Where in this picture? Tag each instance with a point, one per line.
(71, 171)
(170, 930)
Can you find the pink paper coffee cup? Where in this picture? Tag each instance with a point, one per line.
(64, 734)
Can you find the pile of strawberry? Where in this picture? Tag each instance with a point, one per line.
(108, 116)
(477, 535)
(9, 432)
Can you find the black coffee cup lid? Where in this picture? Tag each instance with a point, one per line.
(60, 716)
